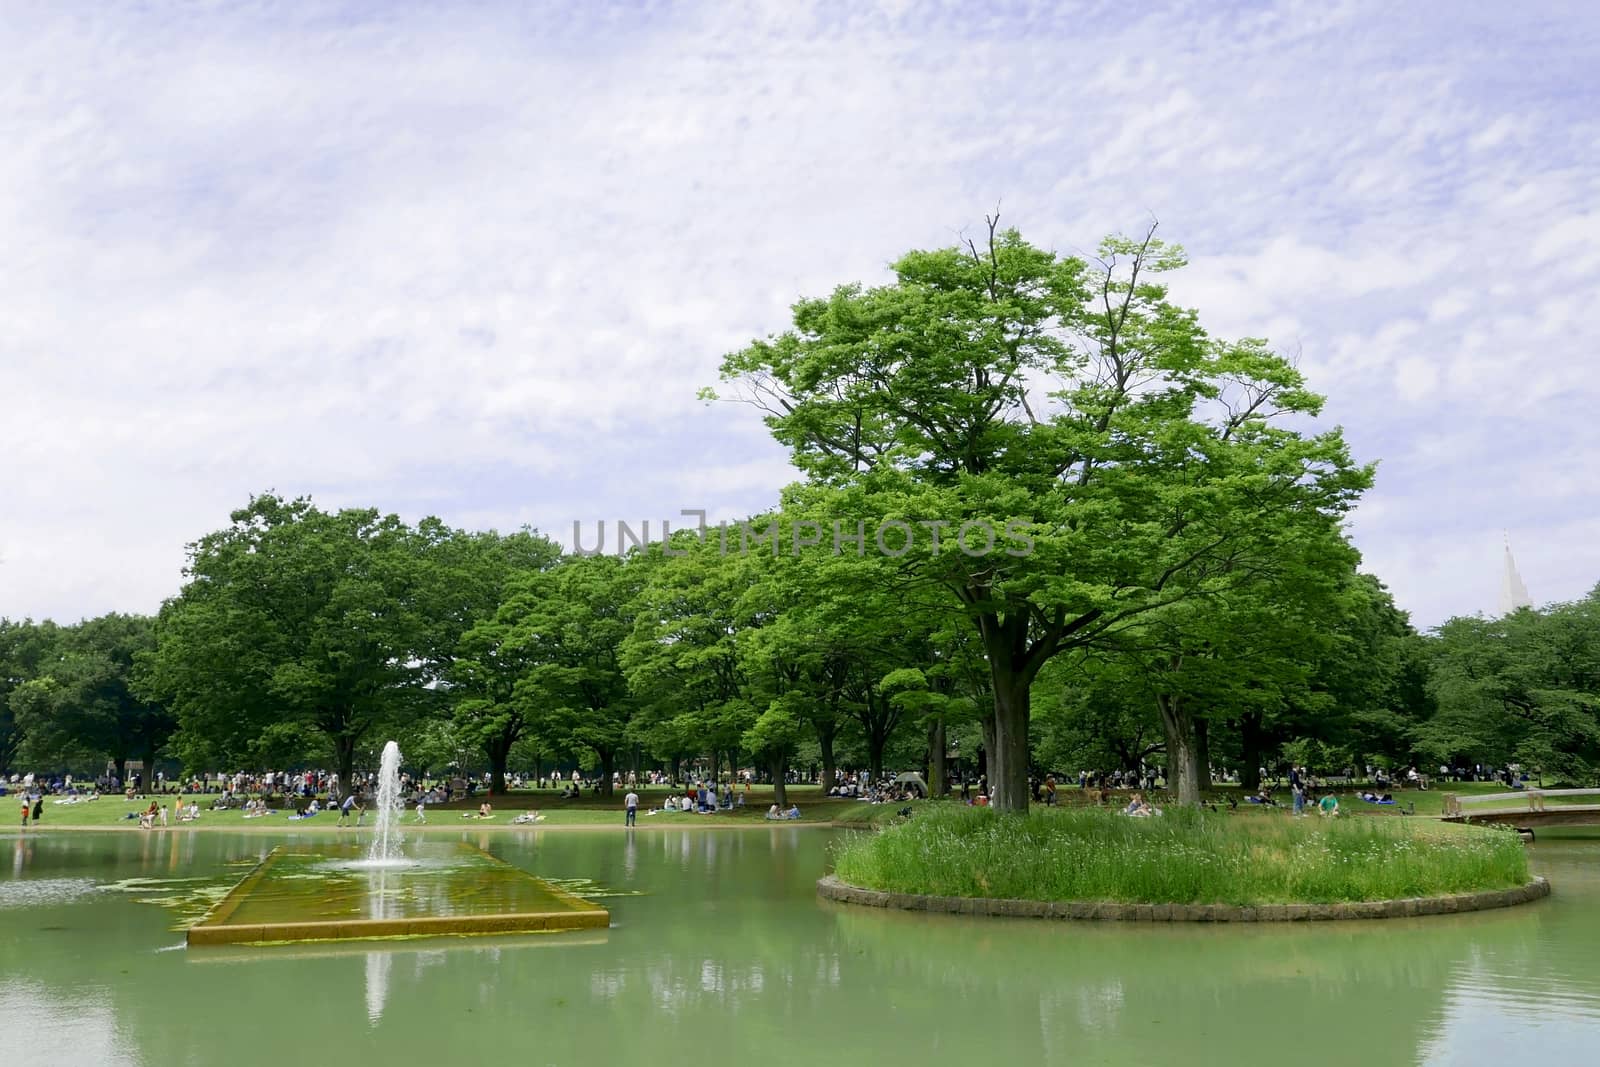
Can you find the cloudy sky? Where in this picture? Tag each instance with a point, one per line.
(474, 260)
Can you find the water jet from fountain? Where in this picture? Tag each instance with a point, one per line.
(387, 839)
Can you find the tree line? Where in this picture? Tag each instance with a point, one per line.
(1172, 584)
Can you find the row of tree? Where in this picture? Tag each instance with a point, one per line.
(1173, 582)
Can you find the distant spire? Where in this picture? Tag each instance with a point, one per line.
(1513, 594)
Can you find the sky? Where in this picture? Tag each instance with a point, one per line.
(475, 260)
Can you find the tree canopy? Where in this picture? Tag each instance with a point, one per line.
(1136, 462)
(1045, 520)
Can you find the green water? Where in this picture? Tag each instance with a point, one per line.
(719, 951)
(330, 884)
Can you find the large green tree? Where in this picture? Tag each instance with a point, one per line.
(87, 702)
(682, 658)
(999, 387)
(1524, 687)
(486, 584)
(27, 650)
(295, 624)
(564, 629)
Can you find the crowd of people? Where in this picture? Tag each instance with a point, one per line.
(307, 794)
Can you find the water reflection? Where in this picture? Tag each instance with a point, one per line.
(723, 944)
(379, 962)
(37, 1021)
(378, 966)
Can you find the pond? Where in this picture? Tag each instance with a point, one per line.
(719, 949)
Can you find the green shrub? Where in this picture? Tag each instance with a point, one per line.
(1186, 856)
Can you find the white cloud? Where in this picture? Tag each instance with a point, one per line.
(478, 264)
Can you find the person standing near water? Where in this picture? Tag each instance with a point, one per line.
(631, 802)
(346, 808)
(38, 810)
(25, 810)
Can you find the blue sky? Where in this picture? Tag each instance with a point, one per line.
(474, 260)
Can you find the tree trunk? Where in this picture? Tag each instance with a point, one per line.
(1202, 751)
(1250, 745)
(938, 776)
(608, 766)
(1183, 767)
(875, 747)
(344, 756)
(779, 767)
(830, 765)
(122, 770)
(499, 752)
(987, 746)
(1008, 759)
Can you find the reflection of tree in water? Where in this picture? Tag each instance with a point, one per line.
(1147, 991)
(721, 943)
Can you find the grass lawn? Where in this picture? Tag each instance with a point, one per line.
(1183, 857)
(112, 811)
(1426, 801)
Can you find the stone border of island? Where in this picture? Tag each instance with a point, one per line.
(830, 888)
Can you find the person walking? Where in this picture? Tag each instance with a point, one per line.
(631, 802)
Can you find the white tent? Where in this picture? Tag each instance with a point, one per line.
(911, 778)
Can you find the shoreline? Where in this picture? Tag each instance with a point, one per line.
(831, 888)
(465, 826)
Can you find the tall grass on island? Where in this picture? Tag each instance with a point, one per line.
(1186, 856)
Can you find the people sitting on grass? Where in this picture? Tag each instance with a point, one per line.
(1373, 798)
(191, 813)
(776, 813)
(528, 817)
(484, 812)
(1328, 806)
(1139, 808)
(310, 811)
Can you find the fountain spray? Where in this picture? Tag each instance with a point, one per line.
(389, 801)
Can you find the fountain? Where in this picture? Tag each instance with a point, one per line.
(337, 893)
(387, 838)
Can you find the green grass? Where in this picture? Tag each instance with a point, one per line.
(1182, 857)
(1426, 801)
(111, 811)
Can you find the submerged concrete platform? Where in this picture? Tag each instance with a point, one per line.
(329, 895)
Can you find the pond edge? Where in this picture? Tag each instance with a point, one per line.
(831, 888)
